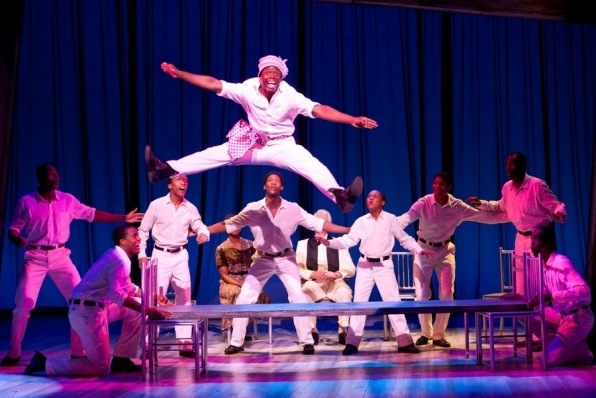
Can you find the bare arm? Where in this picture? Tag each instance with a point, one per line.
(330, 114)
(336, 229)
(202, 81)
(132, 217)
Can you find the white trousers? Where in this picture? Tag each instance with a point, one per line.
(337, 291)
(38, 263)
(383, 275)
(283, 153)
(261, 270)
(172, 268)
(443, 264)
(91, 323)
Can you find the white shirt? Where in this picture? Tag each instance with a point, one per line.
(568, 288)
(438, 223)
(530, 206)
(276, 117)
(272, 234)
(377, 237)
(169, 226)
(48, 223)
(108, 279)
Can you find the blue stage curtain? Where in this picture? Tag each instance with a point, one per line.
(450, 92)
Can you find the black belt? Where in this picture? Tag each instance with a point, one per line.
(45, 247)
(88, 303)
(239, 273)
(273, 255)
(524, 233)
(434, 244)
(575, 310)
(375, 259)
(171, 249)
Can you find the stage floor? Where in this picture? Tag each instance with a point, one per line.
(280, 370)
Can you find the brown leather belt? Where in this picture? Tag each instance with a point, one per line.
(273, 255)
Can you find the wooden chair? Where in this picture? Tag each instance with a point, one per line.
(404, 270)
(150, 341)
(534, 288)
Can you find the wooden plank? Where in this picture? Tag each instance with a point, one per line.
(280, 310)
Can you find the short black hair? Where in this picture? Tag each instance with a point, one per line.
(41, 172)
(547, 236)
(445, 177)
(120, 233)
(276, 173)
(520, 158)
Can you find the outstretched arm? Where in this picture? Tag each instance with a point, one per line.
(132, 217)
(330, 114)
(202, 81)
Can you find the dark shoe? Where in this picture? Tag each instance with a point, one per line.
(422, 340)
(232, 349)
(37, 364)
(73, 356)
(247, 337)
(308, 349)
(345, 198)
(342, 338)
(536, 346)
(442, 343)
(186, 353)
(316, 337)
(350, 349)
(409, 349)
(123, 365)
(8, 361)
(156, 169)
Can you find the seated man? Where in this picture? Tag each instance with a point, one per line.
(323, 271)
(105, 294)
(568, 318)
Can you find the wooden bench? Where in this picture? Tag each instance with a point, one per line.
(373, 308)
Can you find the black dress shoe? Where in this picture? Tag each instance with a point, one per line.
(422, 340)
(8, 361)
(409, 349)
(342, 338)
(308, 349)
(186, 353)
(442, 343)
(316, 337)
(37, 364)
(247, 337)
(232, 349)
(350, 349)
(123, 365)
(345, 198)
(156, 169)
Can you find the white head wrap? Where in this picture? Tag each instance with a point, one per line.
(272, 60)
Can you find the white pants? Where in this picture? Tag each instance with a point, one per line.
(283, 153)
(39, 263)
(522, 245)
(565, 336)
(92, 325)
(443, 263)
(383, 275)
(173, 268)
(337, 291)
(261, 270)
